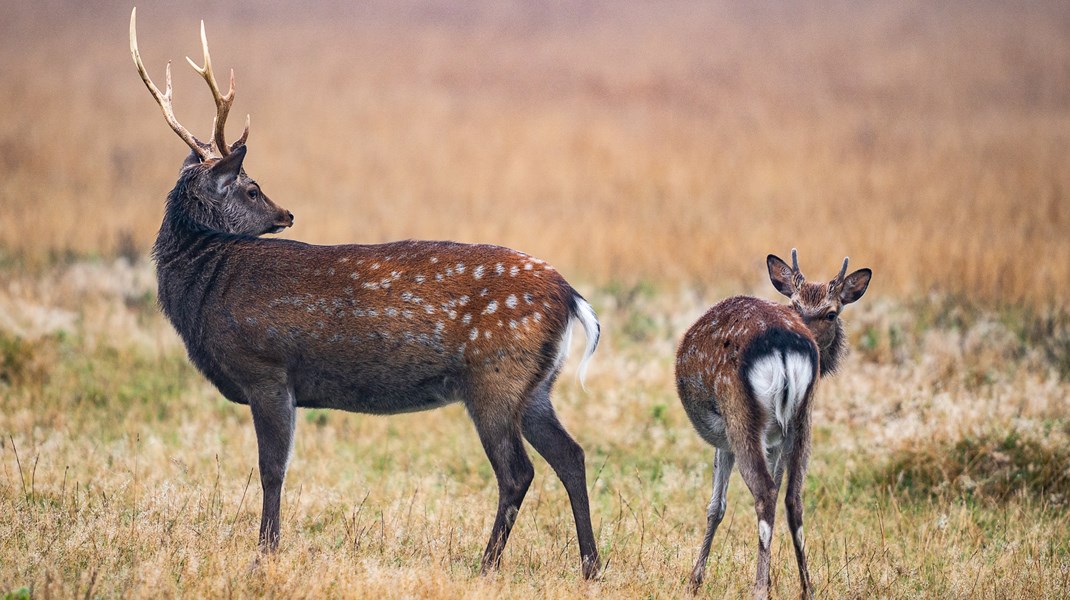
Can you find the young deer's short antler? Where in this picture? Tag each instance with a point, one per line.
(164, 99)
(797, 278)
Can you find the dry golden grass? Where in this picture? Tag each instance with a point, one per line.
(652, 152)
(627, 141)
(123, 472)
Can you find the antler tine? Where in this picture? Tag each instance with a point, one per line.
(222, 102)
(843, 271)
(164, 99)
(244, 136)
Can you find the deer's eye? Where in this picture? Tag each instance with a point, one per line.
(831, 315)
(254, 193)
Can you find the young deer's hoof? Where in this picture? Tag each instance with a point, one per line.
(695, 582)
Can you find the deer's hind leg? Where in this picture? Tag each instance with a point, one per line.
(798, 454)
(755, 471)
(544, 431)
(497, 421)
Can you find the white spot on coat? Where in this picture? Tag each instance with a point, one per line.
(511, 301)
(491, 307)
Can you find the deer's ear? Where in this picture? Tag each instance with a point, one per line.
(854, 285)
(226, 170)
(192, 159)
(780, 275)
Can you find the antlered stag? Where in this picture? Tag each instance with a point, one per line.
(389, 328)
(746, 373)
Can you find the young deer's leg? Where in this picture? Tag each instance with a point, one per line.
(755, 472)
(543, 429)
(273, 418)
(499, 431)
(797, 458)
(776, 459)
(722, 470)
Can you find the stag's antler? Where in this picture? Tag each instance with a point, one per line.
(164, 99)
(222, 101)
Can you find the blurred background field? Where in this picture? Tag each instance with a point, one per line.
(654, 153)
(676, 141)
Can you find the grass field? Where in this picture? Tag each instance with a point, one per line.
(655, 154)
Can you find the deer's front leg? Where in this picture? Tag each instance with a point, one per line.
(722, 470)
(274, 414)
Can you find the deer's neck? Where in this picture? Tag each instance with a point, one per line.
(832, 352)
(189, 259)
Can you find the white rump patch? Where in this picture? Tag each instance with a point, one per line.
(779, 382)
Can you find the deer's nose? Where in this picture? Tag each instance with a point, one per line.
(290, 216)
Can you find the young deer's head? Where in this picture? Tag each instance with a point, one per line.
(213, 189)
(819, 304)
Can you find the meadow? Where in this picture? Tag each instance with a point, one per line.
(654, 153)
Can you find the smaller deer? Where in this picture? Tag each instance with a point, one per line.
(746, 373)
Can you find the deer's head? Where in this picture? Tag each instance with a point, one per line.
(214, 190)
(819, 304)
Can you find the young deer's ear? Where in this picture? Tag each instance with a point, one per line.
(854, 285)
(780, 274)
(225, 172)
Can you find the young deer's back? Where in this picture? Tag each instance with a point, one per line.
(726, 352)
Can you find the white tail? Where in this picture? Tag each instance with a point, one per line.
(585, 315)
(779, 382)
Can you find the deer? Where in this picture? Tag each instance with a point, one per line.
(381, 329)
(746, 372)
